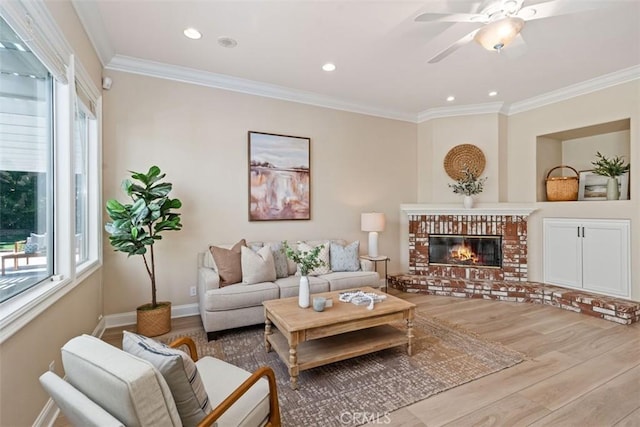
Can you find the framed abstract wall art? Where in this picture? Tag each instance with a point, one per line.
(279, 177)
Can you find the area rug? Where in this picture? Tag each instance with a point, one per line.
(367, 388)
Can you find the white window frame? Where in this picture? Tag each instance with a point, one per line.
(33, 21)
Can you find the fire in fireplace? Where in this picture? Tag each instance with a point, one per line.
(463, 250)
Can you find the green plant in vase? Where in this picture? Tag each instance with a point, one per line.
(135, 227)
(611, 168)
(469, 185)
(306, 261)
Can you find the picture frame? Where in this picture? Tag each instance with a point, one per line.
(279, 177)
(592, 186)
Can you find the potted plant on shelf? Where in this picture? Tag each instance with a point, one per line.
(307, 261)
(611, 168)
(468, 185)
(134, 229)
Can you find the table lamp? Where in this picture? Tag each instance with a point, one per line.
(372, 222)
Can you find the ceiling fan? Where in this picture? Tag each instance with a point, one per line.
(500, 22)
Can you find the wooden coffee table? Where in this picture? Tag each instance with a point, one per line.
(305, 338)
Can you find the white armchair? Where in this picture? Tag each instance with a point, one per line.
(106, 386)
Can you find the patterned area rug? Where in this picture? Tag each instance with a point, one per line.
(369, 387)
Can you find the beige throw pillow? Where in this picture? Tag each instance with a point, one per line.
(228, 263)
(257, 267)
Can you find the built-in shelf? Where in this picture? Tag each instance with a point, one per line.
(577, 148)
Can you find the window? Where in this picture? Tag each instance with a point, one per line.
(26, 166)
(80, 166)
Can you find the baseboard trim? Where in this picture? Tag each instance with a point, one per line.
(129, 318)
(48, 415)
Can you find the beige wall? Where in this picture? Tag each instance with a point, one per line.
(437, 136)
(27, 354)
(198, 135)
(580, 152)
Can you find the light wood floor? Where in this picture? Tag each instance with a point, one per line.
(579, 370)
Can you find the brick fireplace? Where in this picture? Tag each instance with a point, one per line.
(509, 224)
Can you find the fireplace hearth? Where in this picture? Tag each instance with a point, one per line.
(465, 250)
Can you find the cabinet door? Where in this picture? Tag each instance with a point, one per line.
(605, 257)
(562, 252)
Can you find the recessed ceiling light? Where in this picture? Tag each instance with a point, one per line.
(192, 33)
(451, 98)
(493, 93)
(329, 66)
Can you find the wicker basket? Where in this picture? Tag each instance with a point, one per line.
(154, 322)
(562, 188)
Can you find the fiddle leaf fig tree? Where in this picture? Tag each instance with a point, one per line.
(135, 227)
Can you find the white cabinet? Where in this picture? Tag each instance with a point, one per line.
(593, 255)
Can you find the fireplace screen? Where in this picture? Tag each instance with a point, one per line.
(460, 250)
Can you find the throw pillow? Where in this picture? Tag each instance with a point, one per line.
(322, 256)
(228, 263)
(345, 258)
(257, 267)
(280, 259)
(178, 370)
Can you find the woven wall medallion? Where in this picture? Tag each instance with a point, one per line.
(463, 156)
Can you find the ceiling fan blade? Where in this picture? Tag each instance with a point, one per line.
(557, 7)
(451, 17)
(452, 48)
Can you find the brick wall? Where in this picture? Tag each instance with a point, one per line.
(512, 228)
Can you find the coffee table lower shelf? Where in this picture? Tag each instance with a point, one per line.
(319, 352)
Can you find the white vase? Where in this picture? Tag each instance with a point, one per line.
(468, 202)
(613, 193)
(303, 293)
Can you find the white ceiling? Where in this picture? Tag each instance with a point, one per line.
(380, 52)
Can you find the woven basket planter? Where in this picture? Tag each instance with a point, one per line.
(562, 188)
(154, 322)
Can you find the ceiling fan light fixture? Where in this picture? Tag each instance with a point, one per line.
(500, 33)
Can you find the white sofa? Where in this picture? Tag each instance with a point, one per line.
(240, 304)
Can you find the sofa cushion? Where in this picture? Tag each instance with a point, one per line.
(345, 257)
(257, 266)
(339, 281)
(133, 390)
(240, 295)
(180, 372)
(323, 256)
(228, 263)
(290, 286)
(220, 379)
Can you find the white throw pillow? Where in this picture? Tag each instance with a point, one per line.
(345, 257)
(257, 267)
(322, 256)
(178, 370)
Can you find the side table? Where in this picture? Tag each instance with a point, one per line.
(376, 260)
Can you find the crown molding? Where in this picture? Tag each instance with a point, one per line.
(251, 87)
(90, 18)
(462, 110)
(588, 86)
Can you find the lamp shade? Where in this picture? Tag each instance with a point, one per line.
(372, 221)
(498, 34)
